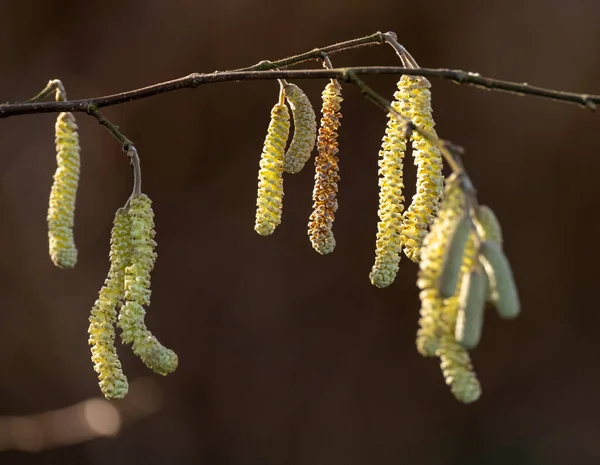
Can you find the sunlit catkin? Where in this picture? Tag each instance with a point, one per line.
(388, 245)
(61, 211)
(488, 226)
(434, 320)
(137, 291)
(453, 257)
(326, 173)
(503, 290)
(430, 181)
(269, 200)
(458, 370)
(113, 382)
(469, 321)
(305, 129)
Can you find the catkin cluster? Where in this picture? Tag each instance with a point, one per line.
(127, 290)
(325, 204)
(269, 199)
(61, 211)
(462, 265)
(430, 181)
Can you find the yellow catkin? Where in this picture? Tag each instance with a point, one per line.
(61, 211)
(113, 382)
(137, 291)
(305, 129)
(503, 291)
(388, 245)
(269, 199)
(458, 370)
(326, 173)
(433, 322)
(488, 226)
(430, 181)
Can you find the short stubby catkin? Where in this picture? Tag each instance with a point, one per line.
(269, 199)
(305, 129)
(434, 319)
(325, 204)
(113, 383)
(388, 245)
(430, 181)
(137, 291)
(61, 211)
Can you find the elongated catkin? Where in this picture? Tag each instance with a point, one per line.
(269, 199)
(488, 226)
(61, 211)
(430, 181)
(305, 129)
(453, 257)
(320, 225)
(458, 370)
(113, 383)
(388, 245)
(469, 321)
(503, 290)
(153, 354)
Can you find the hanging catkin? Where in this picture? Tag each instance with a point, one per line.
(391, 156)
(269, 199)
(113, 382)
(137, 290)
(425, 203)
(433, 321)
(326, 172)
(61, 211)
(305, 129)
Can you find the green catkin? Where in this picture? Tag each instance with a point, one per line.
(430, 181)
(388, 244)
(113, 383)
(137, 291)
(469, 321)
(503, 291)
(305, 129)
(458, 370)
(432, 322)
(488, 226)
(453, 257)
(326, 173)
(61, 211)
(269, 199)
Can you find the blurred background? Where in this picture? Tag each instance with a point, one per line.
(288, 357)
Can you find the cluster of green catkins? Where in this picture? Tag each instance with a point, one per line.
(127, 290)
(462, 267)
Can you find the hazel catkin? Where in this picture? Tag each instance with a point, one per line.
(269, 199)
(430, 181)
(388, 244)
(503, 291)
(61, 211)
(325, 202)
(305, 129)
(469, 321)
(488, 226)
(153, 354)
(453, 257)
(113, 383)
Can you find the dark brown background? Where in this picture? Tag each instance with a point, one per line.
(287, 357)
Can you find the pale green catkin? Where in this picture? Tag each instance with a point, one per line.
(388, 245)
(269, 198)
(469, 321)
(503, 291)
(137, 291)
(453, 257)
(61, 210)
(113, 383)
(305, 129)
(430, 181)
(488, 226)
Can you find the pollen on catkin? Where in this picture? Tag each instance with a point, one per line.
(388, 245)
(434, 320)
(153, 354)
(61, 211)
(113, 383)
(305, 129)
(325, 204)
(269, 199)
(430, 181)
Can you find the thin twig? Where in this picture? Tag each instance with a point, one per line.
(195, 80)
(112, 128)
